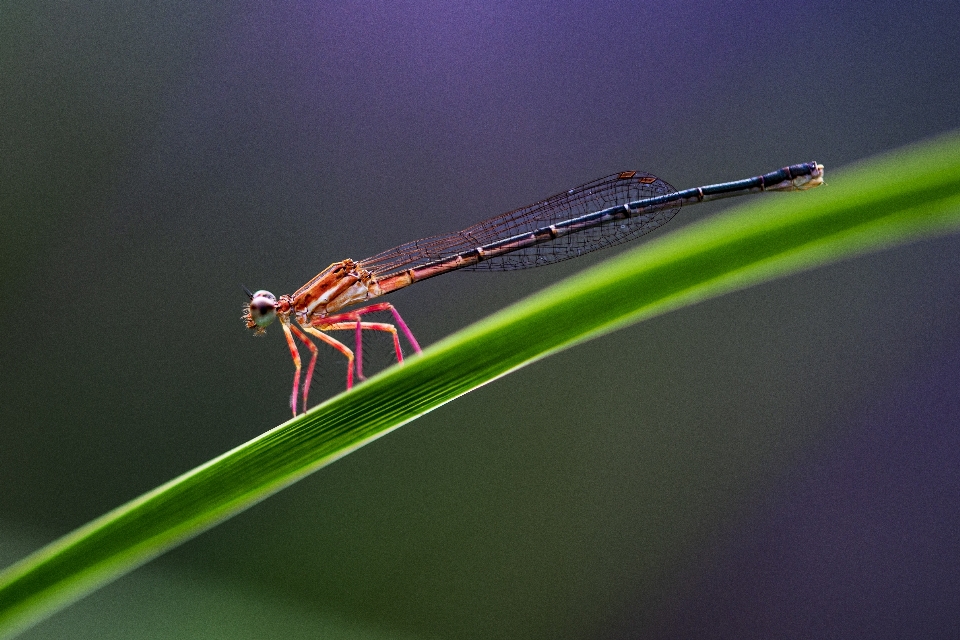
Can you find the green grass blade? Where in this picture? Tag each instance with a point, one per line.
(907, 195)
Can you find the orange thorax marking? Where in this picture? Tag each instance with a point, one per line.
(341, 284)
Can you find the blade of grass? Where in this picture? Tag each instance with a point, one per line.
(906, 195)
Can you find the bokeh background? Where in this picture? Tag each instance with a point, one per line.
(780, 462)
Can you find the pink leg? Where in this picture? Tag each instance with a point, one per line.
(339, 346)
(370, 326)
(381, 306)
(359, 349)
(313, 363)
(296, 363)
(405, 329)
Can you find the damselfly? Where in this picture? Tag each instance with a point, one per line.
(599, 214)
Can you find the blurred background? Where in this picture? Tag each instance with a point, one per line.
(780, 462)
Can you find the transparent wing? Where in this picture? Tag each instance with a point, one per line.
(613, 190)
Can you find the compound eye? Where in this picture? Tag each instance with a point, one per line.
(263, 308)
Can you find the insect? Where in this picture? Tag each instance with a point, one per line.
(599, 214)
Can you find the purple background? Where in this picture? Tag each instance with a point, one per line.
(780, 462)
